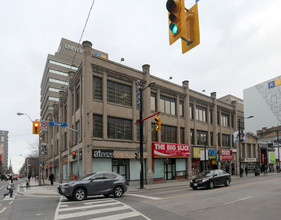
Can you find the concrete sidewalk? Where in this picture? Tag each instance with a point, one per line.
(47, 190)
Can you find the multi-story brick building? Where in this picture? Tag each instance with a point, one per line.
(100, 103)
(4, 143)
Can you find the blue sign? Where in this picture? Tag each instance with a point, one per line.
(271, 84)
(57, 124)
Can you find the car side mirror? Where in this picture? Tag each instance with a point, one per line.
(93, 178)
(215, 175)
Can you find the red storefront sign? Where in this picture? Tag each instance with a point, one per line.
(226, 155)
(166, 150)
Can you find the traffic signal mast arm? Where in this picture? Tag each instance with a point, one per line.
(157, 113)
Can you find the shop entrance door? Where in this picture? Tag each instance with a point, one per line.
(169, 165)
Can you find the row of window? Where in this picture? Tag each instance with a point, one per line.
(118, 128)
(122, 94)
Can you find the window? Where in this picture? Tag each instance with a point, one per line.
(211, 116)
(168, 105)
(58, 72)
(192, 136)
(65, 114)
(153, 102)
(168, 134)
(153, 133)
(191, 113)
(254, 151)
(181, 108)
(225, 140)
(58, 81)
(54, 89)
(97, 126)
(119, 128)
(77, 99)
(182, 135)
(202, 137)
(77, 127)
(118, 93)
(50, 98)
(219, 139)
(248, 150)
(201, 113)
(65, 141)
(225, 120)
(212, 138)
(243, 150)
(218, 118)
(62, 65)
(97, 90)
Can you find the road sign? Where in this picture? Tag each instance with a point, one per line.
(44, 125)
(58, 124)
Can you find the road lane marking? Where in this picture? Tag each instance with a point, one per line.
(92, 212)
(11, 202)
(3, 210)
(88, 206)
(145, 197)
(118, 216)
(238, 200)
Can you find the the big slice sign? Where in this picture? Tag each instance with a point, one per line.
(165, 150)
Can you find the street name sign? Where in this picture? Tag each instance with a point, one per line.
(58, 124)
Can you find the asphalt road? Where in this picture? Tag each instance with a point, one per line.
(246, 198)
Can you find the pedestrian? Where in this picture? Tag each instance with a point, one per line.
(51, 178)
(246, 171)
(10, 187)
(277, 169)
(241, 172)
(29, 176)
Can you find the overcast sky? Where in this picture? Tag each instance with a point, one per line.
(240, 47)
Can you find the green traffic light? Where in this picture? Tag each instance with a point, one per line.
(173, 28)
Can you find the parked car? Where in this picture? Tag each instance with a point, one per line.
(210, 179)
(94, 184)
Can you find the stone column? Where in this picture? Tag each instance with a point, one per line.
(187, 140)
(86, 108)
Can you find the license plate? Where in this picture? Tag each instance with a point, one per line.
(195, 184)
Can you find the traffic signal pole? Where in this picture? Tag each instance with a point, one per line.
(141, 142)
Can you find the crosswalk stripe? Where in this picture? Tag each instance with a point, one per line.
(118, 216)
(99, 201)
(92, 212)
(87, 207)
(145, 197)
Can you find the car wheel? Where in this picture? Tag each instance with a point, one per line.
(118, 191)
(106, 195)
(227, 182)
(79, 194)
(211, 185)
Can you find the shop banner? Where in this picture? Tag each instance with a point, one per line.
(226, 155)
(167, 150)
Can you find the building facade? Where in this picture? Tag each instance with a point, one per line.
(263, 100)
(4, 143)
(99, 107)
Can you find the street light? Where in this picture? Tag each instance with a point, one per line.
(141, 134)
(20, 113)
(239, 141)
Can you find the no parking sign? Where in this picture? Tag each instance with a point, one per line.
(44, 125)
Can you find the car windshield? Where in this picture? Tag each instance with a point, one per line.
(88, 176)
(206, 174)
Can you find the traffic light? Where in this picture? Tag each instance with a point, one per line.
(176, 16)
(36, 127)
(74, 155)
(157, 123)
(137, 156)
(192, 36)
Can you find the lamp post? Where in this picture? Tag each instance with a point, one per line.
(141, 134)
(40, 170)
(239, 142)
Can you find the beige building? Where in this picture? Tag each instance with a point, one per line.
(100, 103)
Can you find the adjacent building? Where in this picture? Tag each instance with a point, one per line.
(264, 102)
(4, 143)
(99, 106)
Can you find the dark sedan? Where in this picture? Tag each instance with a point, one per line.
(210, 179)
(94, 184)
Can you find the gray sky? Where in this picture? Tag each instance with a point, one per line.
(239, 48)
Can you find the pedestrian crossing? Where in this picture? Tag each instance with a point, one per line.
(96, 209)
